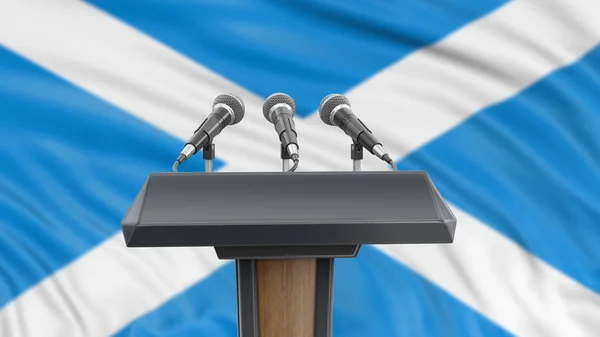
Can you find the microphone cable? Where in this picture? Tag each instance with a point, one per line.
(177, 162)
(296, 163)
(386, 157)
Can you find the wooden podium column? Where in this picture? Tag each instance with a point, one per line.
(286, 297)
(291, 297)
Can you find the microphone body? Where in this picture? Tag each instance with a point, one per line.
(286, 128)
(221, 117)
(279, 109)
(354, 127)
(227, 109)
(335, 110)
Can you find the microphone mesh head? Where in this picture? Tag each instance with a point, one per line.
(329, 103)
(277, 98)
(235, 103)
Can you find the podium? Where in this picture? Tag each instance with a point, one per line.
(284, 231)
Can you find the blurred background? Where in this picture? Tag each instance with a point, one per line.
(499, 101)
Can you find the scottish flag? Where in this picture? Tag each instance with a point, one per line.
(499, 101)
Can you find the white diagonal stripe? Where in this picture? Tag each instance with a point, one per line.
(105, 289)
(111, 60)
(428, 92)
(495, 276)
(432, 90)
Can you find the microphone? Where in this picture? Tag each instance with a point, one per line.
(227, 109)
(335, 110)
(279, 109)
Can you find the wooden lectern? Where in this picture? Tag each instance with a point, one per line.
(284, 231)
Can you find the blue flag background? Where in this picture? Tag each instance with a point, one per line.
(499, 101)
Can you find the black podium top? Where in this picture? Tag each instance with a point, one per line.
(288, 209)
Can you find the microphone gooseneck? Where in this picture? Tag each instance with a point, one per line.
(335, 110)
(227, 109)
(279, 109)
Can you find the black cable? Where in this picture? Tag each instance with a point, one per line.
(295, 166)
(389, 160)
(177, 162)
(296, 160)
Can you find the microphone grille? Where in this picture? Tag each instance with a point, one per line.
(277, 98)
(329, 103)
(235, 103)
